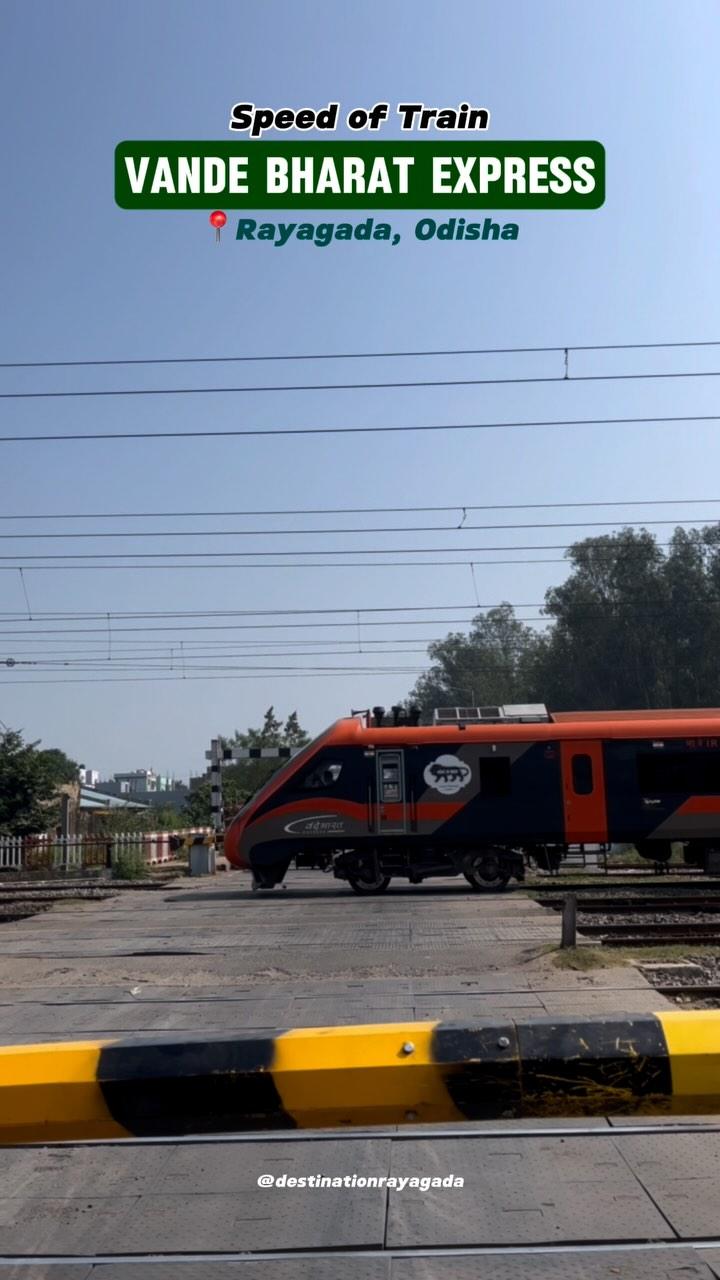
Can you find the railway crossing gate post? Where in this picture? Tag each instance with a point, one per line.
(218, 755)
(214, 755)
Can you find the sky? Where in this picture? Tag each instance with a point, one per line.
(84, 280)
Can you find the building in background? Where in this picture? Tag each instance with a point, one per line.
(151, 789)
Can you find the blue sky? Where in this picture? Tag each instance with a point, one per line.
(83, 279)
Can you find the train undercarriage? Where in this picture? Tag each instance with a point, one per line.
(487, 868)
(369, 870)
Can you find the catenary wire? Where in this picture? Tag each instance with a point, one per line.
(133, 568)
(590, 608)
(279, 675)
(336, 511)
(53, 615)
(287, 551)
(357, 355)
(354, 386)
(333, 431)
(408, 528)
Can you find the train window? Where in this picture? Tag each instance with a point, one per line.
(679, 772)
(390, 781)
(324, 776)
(582, 774)
(495, 776)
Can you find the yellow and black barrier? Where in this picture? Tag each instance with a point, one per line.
(320, 1077)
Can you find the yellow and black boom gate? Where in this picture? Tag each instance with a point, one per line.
(395, 1073)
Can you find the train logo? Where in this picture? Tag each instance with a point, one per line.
(448, 775)
(320, 824)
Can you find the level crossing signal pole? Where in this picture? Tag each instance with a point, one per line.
(216, 797)
(218, 755)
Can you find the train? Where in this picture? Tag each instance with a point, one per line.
(481, 791)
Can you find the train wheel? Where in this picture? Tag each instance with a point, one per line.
(270, 876)
(485, 873)
(369, 883)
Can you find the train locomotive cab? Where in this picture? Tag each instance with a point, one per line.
(378, 797)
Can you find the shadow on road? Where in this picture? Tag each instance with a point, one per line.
(341, 892)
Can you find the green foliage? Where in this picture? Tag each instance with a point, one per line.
(133, 820)
(244, 777)
(29, 781)
(494, 663)
(633, 626)
(129, 865)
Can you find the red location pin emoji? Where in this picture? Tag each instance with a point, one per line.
(218, 220)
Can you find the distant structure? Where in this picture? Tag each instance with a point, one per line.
(147, 787)
(89, 777)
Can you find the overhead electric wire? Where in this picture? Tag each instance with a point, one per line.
(81, 615)
(333, 431)
(338, 564)
(278, 675)
(357, 355)
(273, 626)
(75, 631)
(354, 386)
(408, 528)
(590, 607)
(246, 613)
(236, 661)
(288, 551)
(337, 511)
(63, 568)
(174, 656)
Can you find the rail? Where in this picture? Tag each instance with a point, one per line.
(327, 1077)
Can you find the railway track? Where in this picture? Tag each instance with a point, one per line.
(687, 917)
(687, 904)
(653, 933)
(555, 888)
(695, 990)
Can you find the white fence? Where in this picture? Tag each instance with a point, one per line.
(27, 853)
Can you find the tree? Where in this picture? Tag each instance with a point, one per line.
(293, 735)
(607, 648)
(633, 626)
(29, 782)
(494, 663)
(197, 809)
(244, 777)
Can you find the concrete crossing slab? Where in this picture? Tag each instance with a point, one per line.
(521, 1191)
(681, 1264)
(172, 1198)
(639, 1264)
(682, 1174)
(212, 958)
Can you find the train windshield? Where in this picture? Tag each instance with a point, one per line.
(287, 768)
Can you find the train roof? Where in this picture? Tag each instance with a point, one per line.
(676, 723)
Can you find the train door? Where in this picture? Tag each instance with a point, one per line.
(583, 777)
(391, 798)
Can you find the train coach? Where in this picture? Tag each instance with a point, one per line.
(481, 789)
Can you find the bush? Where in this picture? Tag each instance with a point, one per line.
(129, 865)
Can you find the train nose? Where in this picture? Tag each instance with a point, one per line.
(232, 846)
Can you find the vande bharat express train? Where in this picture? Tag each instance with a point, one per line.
(475, 792)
